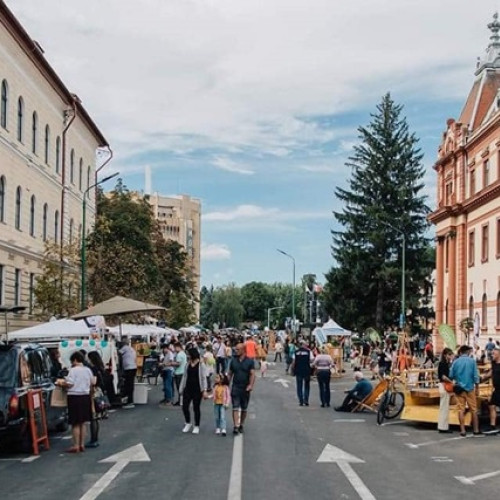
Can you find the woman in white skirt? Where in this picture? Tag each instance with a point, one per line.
(444, 395)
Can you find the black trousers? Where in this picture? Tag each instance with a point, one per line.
(220, 365)
(195, 397)
(177, 380)
(128, 385)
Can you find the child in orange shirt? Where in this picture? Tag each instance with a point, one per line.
(222, 397)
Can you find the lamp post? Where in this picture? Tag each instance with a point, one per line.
(269, 309)
(10, 309)
(83, 301)
(402, 318)
(293, 290)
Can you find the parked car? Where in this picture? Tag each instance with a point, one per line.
(24, 367)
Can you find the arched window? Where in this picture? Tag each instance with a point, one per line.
(20, 119)
(498, 309)
(471, 307)
(32, 215)
(71, 226)
(18, 208)
(88, 181)
(34, 133)
(44, 221)
(58, 154)
(72, 167)
(484, 311)
(80, 175)
(56, 226)
(47, 144)
(5, 102)
(3, 186)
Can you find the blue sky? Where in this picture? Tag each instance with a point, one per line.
(253, 106)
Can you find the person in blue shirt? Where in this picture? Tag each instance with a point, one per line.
(359, 392)
(465, 376)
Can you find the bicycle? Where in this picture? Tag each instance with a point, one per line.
(392, 402)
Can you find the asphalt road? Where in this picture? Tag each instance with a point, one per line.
(276, 458)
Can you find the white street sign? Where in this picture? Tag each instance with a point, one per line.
(135, 453)
(332, 454)
(282, 381)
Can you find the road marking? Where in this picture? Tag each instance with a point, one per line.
(350, 420)
(27, 460)
(441, 459)
(332, 454)
(472, 480)
(282, 381)
(135, 453)
(427, 443)
(394, 422)
(401, 433)
(235, 480)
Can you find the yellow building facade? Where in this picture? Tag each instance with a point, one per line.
(48, 145)
(467, 216)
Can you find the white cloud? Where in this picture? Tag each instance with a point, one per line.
(231, 166)
(185, 74)
(215, 251)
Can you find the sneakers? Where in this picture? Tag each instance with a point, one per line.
(128, 406)
(217, 431)
(490, 429)
(196, 430)
(240, 429)
(92, 444)
(223, 432)
(236, 431)
(186, 428)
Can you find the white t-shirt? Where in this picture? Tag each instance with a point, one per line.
(80, 378)
(128, 357)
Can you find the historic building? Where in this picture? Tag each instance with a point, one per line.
(48, 146)
(467, 216)
(180, 220)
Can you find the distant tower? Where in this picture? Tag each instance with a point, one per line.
(147, 180)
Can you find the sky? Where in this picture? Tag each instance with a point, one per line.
(253, 106)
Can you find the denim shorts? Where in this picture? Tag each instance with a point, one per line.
(240, 398)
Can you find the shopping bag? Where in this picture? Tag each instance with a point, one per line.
(59, 398)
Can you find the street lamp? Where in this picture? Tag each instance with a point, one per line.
(293, 290)
(10, 309)
(402, 318)
(83, 300)
(269, 309)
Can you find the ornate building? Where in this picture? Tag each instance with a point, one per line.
(48, 145)
(467, 216)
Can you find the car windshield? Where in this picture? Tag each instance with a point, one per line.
(8, 367)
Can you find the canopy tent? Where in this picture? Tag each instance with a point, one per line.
(131, 330)
(330, 328)
(116, 306)
(58, 329)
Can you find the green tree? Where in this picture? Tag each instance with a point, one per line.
(384, 198)
(227, 308)
(206, 305)
(57, 289)
(256, 299)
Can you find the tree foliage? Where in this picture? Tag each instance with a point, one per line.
(384, 199)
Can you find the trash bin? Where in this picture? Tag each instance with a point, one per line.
(141, 394)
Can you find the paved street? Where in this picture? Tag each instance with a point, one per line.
(279, 456)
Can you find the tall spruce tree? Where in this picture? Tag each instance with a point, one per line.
(384, 197)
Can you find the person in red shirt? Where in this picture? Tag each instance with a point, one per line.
(251, 350)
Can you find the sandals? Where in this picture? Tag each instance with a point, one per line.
(73, 449)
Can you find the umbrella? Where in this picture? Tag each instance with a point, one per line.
(116, 306)
(448, 335)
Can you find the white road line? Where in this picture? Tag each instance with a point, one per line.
(236, 478)
(30, 459)
(356, 482)
(350, 420)
(471, 480)
(394, 422)
(438, 441)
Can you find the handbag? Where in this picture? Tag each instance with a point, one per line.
(448, 387)
(59, 397)
(101, 401)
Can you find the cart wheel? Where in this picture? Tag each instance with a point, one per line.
(382, 407)
(395, 405)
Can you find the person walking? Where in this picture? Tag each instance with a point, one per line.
(301, 368)
(79, 382)
(167, 373)
(278, 350)
(99, 371)
(210, 365)
(222, 396)
(242, 377)
(193, 388)
(444, 395)
(465, 375)
(219, 349)
(323, 363)
(494, 375)
(179, 365)
(129, 366)
(251, 350)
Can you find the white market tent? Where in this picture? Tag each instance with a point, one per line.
(58, 329)
(131, 330)
(329, 329)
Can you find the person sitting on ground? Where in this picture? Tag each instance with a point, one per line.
(359, 392)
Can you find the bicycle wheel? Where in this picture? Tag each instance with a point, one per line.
(395, 405)
(384, 401)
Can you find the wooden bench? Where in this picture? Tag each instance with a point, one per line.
(425, 392)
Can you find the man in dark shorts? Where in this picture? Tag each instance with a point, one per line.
(242, 376)
(494, 374)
